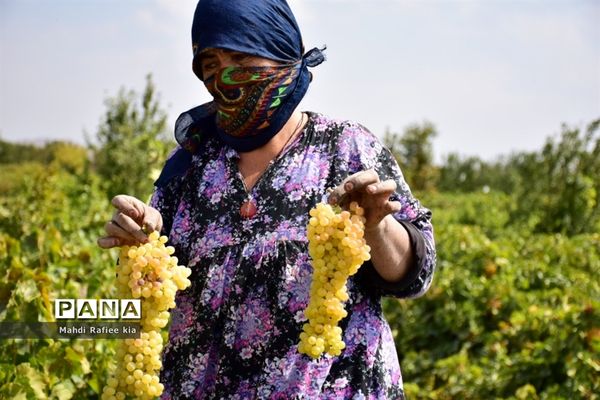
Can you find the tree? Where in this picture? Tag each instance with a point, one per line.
(470, 173)
(11, 153)
(131, 142)
(414, 152)
(561, 183)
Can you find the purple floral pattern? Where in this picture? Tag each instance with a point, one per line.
(234, 333)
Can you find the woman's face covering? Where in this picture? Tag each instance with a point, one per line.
(212, 60)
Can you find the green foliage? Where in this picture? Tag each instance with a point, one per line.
(414, 152)
(511, 314)
(52, 210)
(555, 190)
(468, 174)
(20, 162)
(132, 142)
(18, 152)
(69, 155)
(48, 232)
(559, 186)
(489, 211)
(14, 176)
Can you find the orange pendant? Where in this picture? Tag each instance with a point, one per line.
(248, 208)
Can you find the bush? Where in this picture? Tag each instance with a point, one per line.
(48, 250)
(516, 317)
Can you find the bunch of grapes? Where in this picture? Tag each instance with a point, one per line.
(149, 272)
(337, 249)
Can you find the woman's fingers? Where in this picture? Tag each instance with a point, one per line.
(382, 188)
(108, 242)
(129, 205)
(377, 214)
(145, 217)
(392, 207)
(152, 220)
(354, 183)
(123, 226)
(372, 194)
(116, 236)
(360, 180)
(131, 223)
(355, 187)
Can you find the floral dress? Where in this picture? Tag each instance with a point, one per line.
(235, 330)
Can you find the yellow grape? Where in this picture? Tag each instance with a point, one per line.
(148, 272)
(337, 249)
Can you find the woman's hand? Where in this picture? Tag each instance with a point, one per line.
(370, 193)
(129, 222)
(391, 252)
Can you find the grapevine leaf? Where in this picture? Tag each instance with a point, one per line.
(63, 391)
(94, 384)
(36, 380)
(72, 355)
(28, 290)
(20, 396)
(78, 359)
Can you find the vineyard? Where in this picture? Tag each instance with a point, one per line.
(513, 312)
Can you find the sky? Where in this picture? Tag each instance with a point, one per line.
(493, 76)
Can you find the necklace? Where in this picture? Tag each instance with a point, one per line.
(249, 206)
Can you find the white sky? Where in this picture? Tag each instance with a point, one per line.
(493, 76)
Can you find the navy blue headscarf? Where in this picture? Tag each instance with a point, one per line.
(264, 28)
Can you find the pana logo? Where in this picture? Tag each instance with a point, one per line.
(98, 309)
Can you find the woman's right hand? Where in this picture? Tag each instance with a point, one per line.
(131, 218)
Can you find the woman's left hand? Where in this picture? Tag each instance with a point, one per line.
(372, 194)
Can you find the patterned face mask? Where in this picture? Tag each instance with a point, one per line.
(252, 102)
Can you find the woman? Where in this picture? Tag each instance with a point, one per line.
(234, 198)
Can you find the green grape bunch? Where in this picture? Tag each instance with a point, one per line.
(148, 272)
(337, 249)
